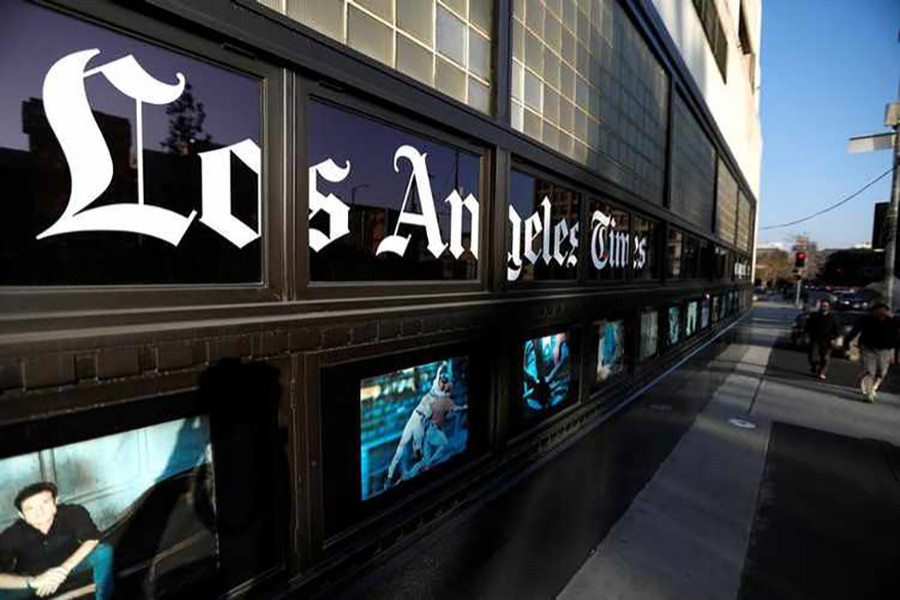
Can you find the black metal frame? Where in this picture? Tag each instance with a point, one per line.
(274, 120)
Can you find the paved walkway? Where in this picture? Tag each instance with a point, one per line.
(720, 519)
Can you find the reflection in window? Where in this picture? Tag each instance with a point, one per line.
(543, 230)
(723, 263)
(673, 254)
(444, 44)
(157, 165)
(384, 210)
(610, 242)
(649, 334)
(692, 258)
(644, 244)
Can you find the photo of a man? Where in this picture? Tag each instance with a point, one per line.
(49, 544)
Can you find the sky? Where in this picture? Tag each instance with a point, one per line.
(829, 67)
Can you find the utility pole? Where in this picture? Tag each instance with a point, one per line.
(892, 119)
(885, 141)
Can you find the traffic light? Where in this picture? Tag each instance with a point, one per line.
(800, 259)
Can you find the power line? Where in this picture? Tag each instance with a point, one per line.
(833, 206)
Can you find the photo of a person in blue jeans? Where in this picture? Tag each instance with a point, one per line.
(49, 543)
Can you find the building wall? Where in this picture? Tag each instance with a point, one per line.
(306, 217)
(734, 101)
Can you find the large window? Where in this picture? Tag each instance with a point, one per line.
(726, 204)
(586, 84)
(445, 44)
(399, 207)
(715, 34)
(693, 169)
(543, 230)
(123, 162)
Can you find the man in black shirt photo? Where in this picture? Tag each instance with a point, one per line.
(47, 544)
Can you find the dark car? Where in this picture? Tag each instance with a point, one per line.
(852, 301)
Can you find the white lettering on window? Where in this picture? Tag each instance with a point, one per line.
(216, 182)
(428, 218)
(90, 164)
(338, 212)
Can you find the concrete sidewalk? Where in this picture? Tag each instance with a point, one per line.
(687, 534)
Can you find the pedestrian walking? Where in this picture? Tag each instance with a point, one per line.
(822, 329)
(879, 336)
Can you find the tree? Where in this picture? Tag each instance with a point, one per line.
(186, 117)
(772, 265)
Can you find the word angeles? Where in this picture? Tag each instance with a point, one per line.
(610, 247)
(338, 212)
(91, 167)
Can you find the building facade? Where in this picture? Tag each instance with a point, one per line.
(283, 282)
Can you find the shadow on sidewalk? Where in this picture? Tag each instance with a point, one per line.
(827, 519)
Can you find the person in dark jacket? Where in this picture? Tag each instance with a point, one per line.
(879, 334)
(822, 329)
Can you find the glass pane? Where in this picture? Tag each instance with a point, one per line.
(479, 55)
(414, 60)
(369, 36)
(135, 218)
(518, 80)
(533, 91)
(458, 6)
(551, 106)
(382, 8)
(397, 222)
(518, 117)
(481, 14)
(416, 17)
(479, 95)
(542, 216)
(451, 36)
(518, 40)
(450, 79)
(533, 125)
(325, 16)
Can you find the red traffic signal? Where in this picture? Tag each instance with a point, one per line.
(800, 259)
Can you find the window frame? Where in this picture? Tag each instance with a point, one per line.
(274, 119)
(309, 91)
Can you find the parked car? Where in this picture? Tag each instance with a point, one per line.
(852, 301)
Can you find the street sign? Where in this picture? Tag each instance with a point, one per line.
(870, 143)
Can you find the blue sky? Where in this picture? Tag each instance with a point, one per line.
(829, 67)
